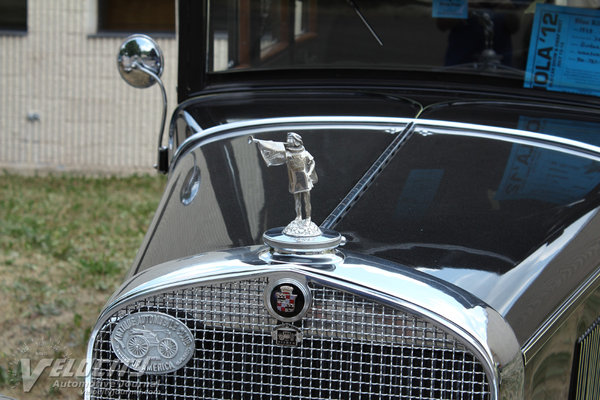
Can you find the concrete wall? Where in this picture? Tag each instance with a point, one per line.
(89, 119)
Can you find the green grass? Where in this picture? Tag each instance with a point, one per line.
(66, 244)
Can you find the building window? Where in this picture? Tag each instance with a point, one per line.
(143, 16)
(13, 15)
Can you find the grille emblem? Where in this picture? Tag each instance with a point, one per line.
(153, 343)
(287, 300)
(287, 335)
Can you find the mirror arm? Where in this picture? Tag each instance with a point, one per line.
(162, 164)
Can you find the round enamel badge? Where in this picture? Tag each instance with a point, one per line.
(287, 299)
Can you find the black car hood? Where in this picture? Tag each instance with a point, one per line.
(489, 215)
(511, 223)
(471, 203)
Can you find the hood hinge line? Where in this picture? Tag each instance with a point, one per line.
(367, 179)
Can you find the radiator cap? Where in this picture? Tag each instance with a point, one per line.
(281, 242)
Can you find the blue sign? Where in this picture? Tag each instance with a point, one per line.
(546, 175)
(582, 131)
(564, 50)
(450, 9)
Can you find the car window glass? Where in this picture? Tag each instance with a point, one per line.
(547, 46)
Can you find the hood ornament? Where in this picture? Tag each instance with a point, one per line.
(301, 234)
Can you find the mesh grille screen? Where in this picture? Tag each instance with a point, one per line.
(352, 348)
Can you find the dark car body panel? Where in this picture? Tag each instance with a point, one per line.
(442, 176)
(457, 227)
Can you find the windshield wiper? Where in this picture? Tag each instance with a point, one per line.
(364, 20)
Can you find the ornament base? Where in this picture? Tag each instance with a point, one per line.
(281, 242)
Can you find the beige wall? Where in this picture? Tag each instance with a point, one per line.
(89, 119)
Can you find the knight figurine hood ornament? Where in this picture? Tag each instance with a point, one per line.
(301, 234)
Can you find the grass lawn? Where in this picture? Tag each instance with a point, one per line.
(66, 244)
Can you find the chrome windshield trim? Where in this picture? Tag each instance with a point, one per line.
(422, 126)
(257, 126)
(510, 103)
(563, 145)
(483, 330)
(192, 123)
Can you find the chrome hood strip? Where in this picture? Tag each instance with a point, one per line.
(482, 328)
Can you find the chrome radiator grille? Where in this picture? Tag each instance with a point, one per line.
(586, 365)
(352, 348)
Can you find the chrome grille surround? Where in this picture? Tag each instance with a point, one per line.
(353, 347)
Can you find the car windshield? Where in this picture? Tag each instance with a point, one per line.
(549, 46)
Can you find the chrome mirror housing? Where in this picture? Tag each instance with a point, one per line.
(140, 61)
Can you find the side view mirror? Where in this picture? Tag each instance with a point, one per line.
(140, 62)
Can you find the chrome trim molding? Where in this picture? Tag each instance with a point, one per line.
(255, 127)
(192, 123)
(553, 323)
(181, 114)
(563, 145)
(480, 328)
(422, 126)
